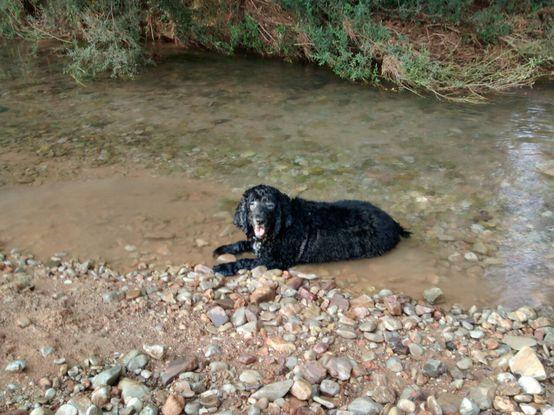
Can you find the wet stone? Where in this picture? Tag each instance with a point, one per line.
(432, 295)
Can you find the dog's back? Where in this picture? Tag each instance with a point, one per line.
(346, 229)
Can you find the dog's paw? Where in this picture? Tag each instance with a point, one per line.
(226, 270)
(219, 251)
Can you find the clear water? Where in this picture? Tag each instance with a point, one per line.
(473, 182)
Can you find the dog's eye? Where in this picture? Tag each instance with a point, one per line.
(253, 204)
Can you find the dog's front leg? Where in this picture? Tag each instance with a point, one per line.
(235, 248)
(232, 268)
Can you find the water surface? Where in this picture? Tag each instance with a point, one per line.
(473, 182)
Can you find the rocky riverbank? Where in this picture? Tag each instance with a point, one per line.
(80, 338)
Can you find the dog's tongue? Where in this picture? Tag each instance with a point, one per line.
(259, 231)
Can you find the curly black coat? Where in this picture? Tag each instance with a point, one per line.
(283, 232)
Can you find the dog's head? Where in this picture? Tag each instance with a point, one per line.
(263, 212)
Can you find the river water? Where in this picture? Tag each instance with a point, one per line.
(149, 169)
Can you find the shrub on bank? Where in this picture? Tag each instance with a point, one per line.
(455, 49)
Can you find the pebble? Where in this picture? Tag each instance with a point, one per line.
(301, 389)
(251, 378)
(218, 316)
(329, 387)
(274, 391)
(434, 368)
(432, 295)
(394, 365)
(67, 410)
(406, 405)
(526, 363)
(519, 342)
(464, 364)
(313, 371)
(41, 411)
(468, 407)
(364, 406)
(173, 405)
(16, 366)
(155, 351)
(177, 366)
(108, 376)
(339, 368)
(530, 385)
(132, 389)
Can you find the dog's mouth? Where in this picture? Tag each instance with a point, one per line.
(259, 231)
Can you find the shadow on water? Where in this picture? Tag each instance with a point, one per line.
(474, 183)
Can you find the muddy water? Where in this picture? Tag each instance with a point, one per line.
(474, 183)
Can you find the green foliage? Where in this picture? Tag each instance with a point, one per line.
(245, 35)
(491, 24)
(10, 18)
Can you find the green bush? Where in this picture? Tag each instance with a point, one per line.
(491, 24)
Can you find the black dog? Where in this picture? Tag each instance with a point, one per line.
(283, 232)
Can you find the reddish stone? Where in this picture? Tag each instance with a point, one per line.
(305, 294)
(393, 305)
(247, 359)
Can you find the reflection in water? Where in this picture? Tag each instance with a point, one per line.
(463, 178)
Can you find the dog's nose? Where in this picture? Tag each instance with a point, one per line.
(258, 220)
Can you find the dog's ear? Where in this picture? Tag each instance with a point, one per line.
(283, 214)
(241, 216)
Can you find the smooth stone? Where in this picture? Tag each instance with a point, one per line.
(177, 366)
(368, 326)
(468, 407)
(16, 366)
(394, 365)
(274, 390)
(339, 368)
(173, 405)
(483, 394)
(301, 389)
(155, 351)
(464, 364)
(41, 411)
(149, 410)
(108, 376)
(519, 342)
(132, 389)
(364, 406)
(406, 405)
(416, 350)
(530, 385)
(526, 363)
(391, 324)
(67, 410)
(252, 378)
(434, 368)
(329, 387)
(218, 316)
(432, 294)
(313, 371)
